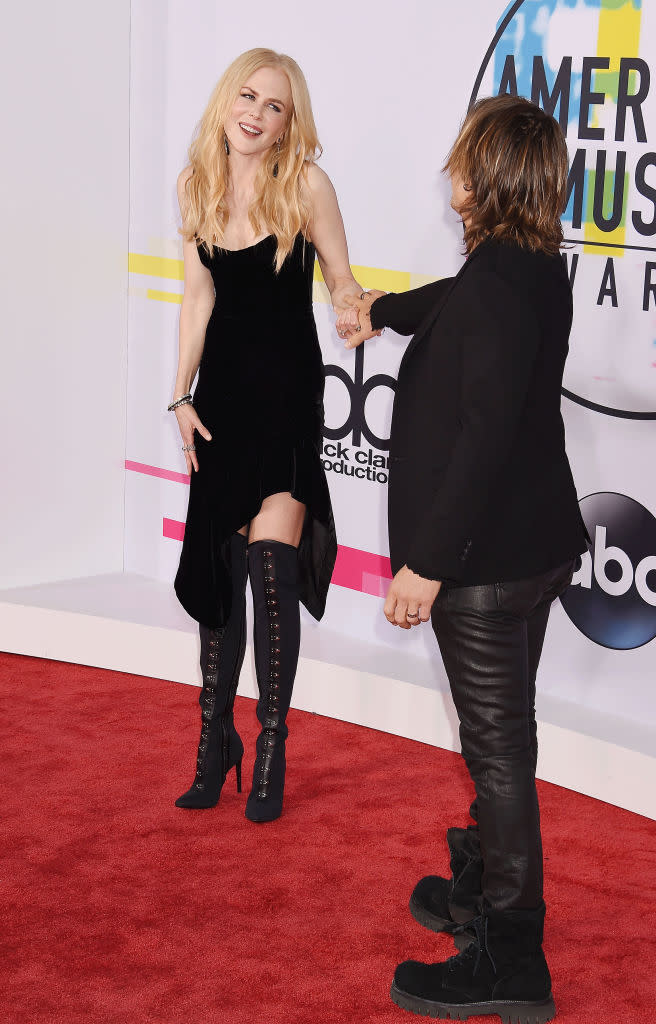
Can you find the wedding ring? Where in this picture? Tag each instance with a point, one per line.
(189, 447)
(412, 615)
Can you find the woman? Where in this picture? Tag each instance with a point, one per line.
(485, 531)
(255, 208)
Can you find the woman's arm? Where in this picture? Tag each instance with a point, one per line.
(197, 305)
(329, 239)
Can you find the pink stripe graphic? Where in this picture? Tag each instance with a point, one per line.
(354, 569)
(173, 529)
(362, 571)
(163, 474)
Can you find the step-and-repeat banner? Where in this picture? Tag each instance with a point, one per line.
(389, 92)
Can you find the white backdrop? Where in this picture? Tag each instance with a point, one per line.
(388, 95)
(64, 76)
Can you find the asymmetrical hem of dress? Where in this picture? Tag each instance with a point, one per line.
(201, 583)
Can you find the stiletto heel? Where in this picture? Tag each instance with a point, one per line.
(238, 771)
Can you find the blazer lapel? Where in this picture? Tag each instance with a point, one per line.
(428, 321)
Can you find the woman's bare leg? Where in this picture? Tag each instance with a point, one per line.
(280, 518)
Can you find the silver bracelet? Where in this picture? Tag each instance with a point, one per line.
(185, 400)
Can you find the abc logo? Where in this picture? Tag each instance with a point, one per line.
(358, 390)
(612, 597)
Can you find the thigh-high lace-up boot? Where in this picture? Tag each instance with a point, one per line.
(221, 657)
(273, 571)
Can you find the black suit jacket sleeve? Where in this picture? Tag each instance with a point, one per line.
(498, 345)
(403, 312)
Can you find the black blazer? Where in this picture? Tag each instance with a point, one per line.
(480, 488)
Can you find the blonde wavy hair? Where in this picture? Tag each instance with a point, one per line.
(281, 205)
(513, 158)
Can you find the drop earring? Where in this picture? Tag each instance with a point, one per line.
(226, 145)
(275, 166)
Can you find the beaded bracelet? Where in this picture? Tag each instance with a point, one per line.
(185, 400)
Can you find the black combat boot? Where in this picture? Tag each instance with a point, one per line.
(442, 904)
(502, 971)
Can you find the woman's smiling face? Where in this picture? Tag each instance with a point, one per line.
(260, 113)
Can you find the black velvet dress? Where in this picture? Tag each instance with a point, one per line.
(260, 395)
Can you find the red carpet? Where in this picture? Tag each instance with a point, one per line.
(118, 907)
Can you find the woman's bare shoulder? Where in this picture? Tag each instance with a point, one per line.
(317, 180)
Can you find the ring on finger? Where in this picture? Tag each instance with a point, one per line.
(189, 447)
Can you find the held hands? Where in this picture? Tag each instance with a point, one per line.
(188, 422)
(410, 599)
(354, 323)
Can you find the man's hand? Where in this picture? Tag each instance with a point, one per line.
(410, 599)
(354, 323)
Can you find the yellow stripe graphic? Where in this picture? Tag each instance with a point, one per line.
(152, 293)
(155, 266)
(368, 277)
(375, 277)
(618, 36)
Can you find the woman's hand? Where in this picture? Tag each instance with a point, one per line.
(354, 324)
(347, 317)
(188, 422)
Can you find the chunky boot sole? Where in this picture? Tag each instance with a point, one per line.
(510, 1011)
(439, 923)
(428, 919)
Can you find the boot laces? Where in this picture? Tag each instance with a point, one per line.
(479, 926)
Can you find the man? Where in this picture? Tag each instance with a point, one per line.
(485, 532)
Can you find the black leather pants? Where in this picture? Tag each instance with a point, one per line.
(491, 640)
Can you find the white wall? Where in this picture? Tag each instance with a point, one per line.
(64, 79)
(386, 120)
